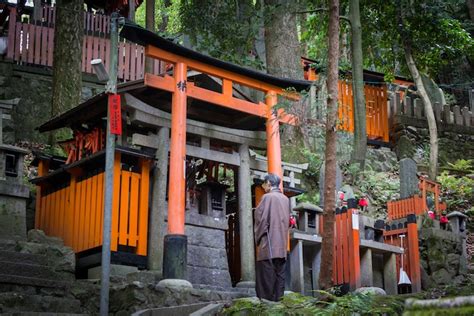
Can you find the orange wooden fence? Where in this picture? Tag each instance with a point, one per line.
(417, 204)
(31, 44)
(346, 263)
(376, 110)
(74, 210)
(402, 208)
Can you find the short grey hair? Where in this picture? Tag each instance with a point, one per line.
(273, 179)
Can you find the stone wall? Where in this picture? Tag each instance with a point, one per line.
(33, 86)
(440, 254)
(413, 142)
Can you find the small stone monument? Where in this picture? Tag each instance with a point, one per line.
(13, 194)
(408, 178)
(322, 178)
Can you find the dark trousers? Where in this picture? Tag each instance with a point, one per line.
(270, 279)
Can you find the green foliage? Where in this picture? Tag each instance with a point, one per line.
(223, 29)
(326, 305)
(458, 191)
(435, 34)
(172, 12)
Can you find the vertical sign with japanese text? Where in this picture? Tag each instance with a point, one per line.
(115, 114)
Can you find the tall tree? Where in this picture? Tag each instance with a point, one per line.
(67, 56)
(406, 40)
(360, 133)
(282, 47)
(325, 276)
(422, 36)
(150, 25)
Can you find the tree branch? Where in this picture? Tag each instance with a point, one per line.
(313, 11)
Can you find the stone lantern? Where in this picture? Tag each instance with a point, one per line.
(309, 217)
(457, 220)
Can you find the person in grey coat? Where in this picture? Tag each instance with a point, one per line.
(272, 217)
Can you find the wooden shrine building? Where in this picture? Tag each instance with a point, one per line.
(184, 213)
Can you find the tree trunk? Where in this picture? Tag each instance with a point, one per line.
(470, 7)
(67, 56)
(325, 275)
(165, 16)
(430, 117)
(282, 47)
(360, 133)
(432, 128)
(150, 25)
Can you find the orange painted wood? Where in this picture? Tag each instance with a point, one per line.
(414, 257)
(143, 212)
(176, 192)
(93, 212)
(82, 217)
(273, 137)
(345, 246)
(71, 196)
(100, 210)
(77, 214)
(115, 202)
(124, 207)
(134, 198)
(87, 214)
(158, 53)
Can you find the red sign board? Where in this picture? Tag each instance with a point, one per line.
(115, 114)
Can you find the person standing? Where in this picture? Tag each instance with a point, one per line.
(272, 217)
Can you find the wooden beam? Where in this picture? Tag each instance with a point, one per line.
(145, 114)
(193, 151)
(224, 99)
(155, 52)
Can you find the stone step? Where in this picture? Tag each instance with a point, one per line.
(31, 281)
(20, 304)
(28, 270)
(25, 258)
(7, 245)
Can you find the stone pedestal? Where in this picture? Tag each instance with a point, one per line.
(390, 274)
(366, 270)
(207, 257)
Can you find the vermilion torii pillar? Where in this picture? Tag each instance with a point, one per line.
(175, 243)
(273, 137)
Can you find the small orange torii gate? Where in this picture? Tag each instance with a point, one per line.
(182, 61)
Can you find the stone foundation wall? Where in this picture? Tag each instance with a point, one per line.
(33, 86)
(441, 257)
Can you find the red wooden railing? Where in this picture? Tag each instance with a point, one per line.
(346, 263)
(33, 44)
(417, 203)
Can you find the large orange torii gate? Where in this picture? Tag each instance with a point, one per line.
(182, 61)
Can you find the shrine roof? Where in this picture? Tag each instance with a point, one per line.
(141, 36)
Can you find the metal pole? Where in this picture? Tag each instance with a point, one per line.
(109, 171)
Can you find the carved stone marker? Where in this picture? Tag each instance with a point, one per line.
(408, 178)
